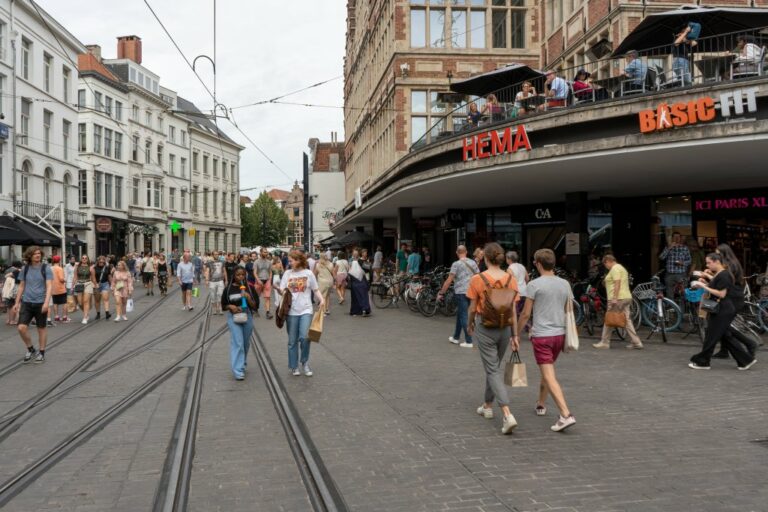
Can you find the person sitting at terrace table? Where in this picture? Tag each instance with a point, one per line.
(522, 97)
(582, 85)
(557, 91)
(635, 70)
(474, 115)
(492, 108)
(748, 53)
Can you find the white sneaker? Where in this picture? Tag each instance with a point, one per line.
(125, 318)
(563, 423)
(85, 321)
(466, 345)
(307, 370)
(453, 340)
(508, 425)
(117, 319)
(184, 308)
(485, 413)
(295, 372)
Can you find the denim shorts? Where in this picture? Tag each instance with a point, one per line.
(103, 287)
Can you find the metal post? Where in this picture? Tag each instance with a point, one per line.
(63, 234)
(13, 110)
(307, 233)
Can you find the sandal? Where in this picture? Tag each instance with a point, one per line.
(541, 410)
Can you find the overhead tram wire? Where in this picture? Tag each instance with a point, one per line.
(274, 100)
(213, 96)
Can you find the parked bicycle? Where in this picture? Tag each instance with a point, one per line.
(650, 306)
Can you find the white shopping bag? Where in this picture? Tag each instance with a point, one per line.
(129, 306)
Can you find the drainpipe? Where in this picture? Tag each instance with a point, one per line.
(13, 110)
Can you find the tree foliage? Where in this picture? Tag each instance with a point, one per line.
(263, 223)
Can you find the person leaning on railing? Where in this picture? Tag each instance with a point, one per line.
(492, 108)
(474, 115)
(522, 97)
(636, 70)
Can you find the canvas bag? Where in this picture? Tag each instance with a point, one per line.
(499, 304)
(316, 327)
(571, 331)
(514, 372)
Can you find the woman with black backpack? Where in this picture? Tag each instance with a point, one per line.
(493, 325)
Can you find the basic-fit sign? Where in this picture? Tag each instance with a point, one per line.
(493, 143)
(701, 110)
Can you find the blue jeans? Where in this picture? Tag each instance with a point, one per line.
(239, 344)
(298, 328)
(681, 67)
(462, 311)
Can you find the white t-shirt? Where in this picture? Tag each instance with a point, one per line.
(378, 258)
(301, 283)
(342, 266)
(517, 270)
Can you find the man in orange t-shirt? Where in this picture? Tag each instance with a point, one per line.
(58, 292)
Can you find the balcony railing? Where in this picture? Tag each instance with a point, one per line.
(719, 58)
(72, 218)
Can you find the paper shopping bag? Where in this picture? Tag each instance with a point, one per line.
(71, 304)
(129, 306)
(316, 327)
(514, 373)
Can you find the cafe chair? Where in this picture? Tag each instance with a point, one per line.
(749, 68)
(676, 77)
(649, 84)
(582, 96)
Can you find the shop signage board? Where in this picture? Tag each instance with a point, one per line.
(728, 202)
(702, 110)
(495, 142)
(103, 224)
(4, 134)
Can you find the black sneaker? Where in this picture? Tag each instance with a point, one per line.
(720, 355)
(30, 353)
(107, 315)
(98, 315)
(40, 358)
(49, 323)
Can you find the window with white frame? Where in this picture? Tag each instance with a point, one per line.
(47, 120)
(158, 203)
(193, 200)
(47, 180)
(118, 192)
(135, 113)
(82, 187)
(183, 138)
(26, 58)
(108, 105)
(80, 99)
(183, 200)
(98, 183)
(26, 113)
(118, 110)
(118, 146)
(47, 72)
(148, 152)
(426, 112)
(82, 144)
(205, 201)
(172, 198)
(135, 191)
(215, 167)
(108, 184)
(171, 164)
(66, 74)
(171, 134)
(215, 203)
(224, 167)
(148, 119)
(98, 102)
(107, 142)
(160, 155)
(96, 138)
(205, 164)
(183, 167)
(66, 128)
(149, 194)
(195, 158)
(135, 148)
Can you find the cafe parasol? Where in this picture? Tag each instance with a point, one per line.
(497, 79)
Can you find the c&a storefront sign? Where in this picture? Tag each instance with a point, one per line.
(494, 142)
(701, 110)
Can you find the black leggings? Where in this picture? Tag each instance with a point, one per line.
(718, 328)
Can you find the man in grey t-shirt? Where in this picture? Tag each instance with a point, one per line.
(263, 270)
(462, 271)
(547, 299)
(32, 299)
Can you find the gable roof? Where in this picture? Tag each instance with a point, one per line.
(277, 194)
(197, 119)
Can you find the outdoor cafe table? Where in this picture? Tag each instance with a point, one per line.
(713, 67)
(612, 83)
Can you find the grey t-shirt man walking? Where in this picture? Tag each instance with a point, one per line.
(462, 271)
(32, 299)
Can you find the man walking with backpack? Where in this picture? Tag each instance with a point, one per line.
(32, 299)
(548, 297)
(493, 323)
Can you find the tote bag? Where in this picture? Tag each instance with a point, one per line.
(571, 332)
(514, 372)
(316, 327)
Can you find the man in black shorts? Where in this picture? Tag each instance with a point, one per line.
(32, 299)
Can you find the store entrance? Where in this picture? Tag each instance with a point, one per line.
(542, 236)
(746, 236)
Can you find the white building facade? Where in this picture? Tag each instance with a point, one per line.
(38, 151)
(326, 186)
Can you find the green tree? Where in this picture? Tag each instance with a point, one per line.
(263, 223)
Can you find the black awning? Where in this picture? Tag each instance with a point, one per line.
(14, 231)
(497, 79)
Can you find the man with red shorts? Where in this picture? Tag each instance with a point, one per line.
(547, 298)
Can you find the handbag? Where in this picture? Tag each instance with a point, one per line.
(571, 332)
(285, 306)
(79, 287)
(240, 318)
(614, 317)
(119, 285)
(129, 306)
(710, 305)
(514, 372)
(316, 327)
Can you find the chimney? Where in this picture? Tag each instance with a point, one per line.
(129, 47)
(94, 50)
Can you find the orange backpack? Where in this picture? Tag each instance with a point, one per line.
(499, 304)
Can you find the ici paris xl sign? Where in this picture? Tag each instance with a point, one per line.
(700, 110)
(492, 143)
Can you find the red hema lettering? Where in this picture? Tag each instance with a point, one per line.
(488, 144)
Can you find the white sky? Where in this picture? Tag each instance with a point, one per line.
(265, 48)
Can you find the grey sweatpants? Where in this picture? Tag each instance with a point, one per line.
(493, 344)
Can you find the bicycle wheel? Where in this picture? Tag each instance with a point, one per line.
(448, 306)
(426, 300)
(410, 300)
(635, 312)
(744, 333)
(578, 314)
(382, 295)
(673, 317)
(589, 319)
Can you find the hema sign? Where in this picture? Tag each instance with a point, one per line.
(492, 143)
(701, 110)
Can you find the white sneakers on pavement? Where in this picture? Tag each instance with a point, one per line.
(485, 413)
(508, 425)
(563, 423)
(466, 345)
(453, 340)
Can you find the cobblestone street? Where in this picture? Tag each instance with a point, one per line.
(391, 412)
